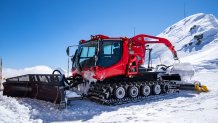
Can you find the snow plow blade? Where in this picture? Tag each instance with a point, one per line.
(195, 87)
(47, 87)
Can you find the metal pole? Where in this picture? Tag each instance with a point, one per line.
(68, 67)
(0, 74)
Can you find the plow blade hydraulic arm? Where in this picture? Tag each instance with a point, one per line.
(194, 87)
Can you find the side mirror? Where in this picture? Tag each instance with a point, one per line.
(69, 48)
(68, 51)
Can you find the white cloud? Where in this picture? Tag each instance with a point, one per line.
(41, 69)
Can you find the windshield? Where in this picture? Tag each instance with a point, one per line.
(87, 53)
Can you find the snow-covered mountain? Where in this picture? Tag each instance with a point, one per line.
(195, 38)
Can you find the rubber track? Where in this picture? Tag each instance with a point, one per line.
(97, 92)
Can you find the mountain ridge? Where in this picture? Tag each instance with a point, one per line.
(193, 36)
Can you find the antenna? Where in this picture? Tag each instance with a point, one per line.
(160, 59)
(134, 31)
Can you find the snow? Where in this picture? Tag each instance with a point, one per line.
(71, 94)
(88, 75)
(185, 70)
(186, 106)
(11, 111)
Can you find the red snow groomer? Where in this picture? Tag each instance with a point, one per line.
(109, 70)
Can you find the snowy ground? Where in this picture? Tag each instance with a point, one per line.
(180, 107)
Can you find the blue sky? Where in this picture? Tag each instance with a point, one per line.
(37, 32)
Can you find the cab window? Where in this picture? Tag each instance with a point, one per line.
(110, 53)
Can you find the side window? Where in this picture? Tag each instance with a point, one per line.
(110, 54)
(110, 48)
(116, 48)
(107, 49)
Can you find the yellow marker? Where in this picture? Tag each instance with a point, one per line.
(197, 87)
(202, 88)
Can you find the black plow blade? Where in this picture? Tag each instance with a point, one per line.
(48, 87)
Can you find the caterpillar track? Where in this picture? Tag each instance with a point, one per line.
(109, 93)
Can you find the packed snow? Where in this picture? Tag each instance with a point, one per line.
(186, 106)
(12, 111)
